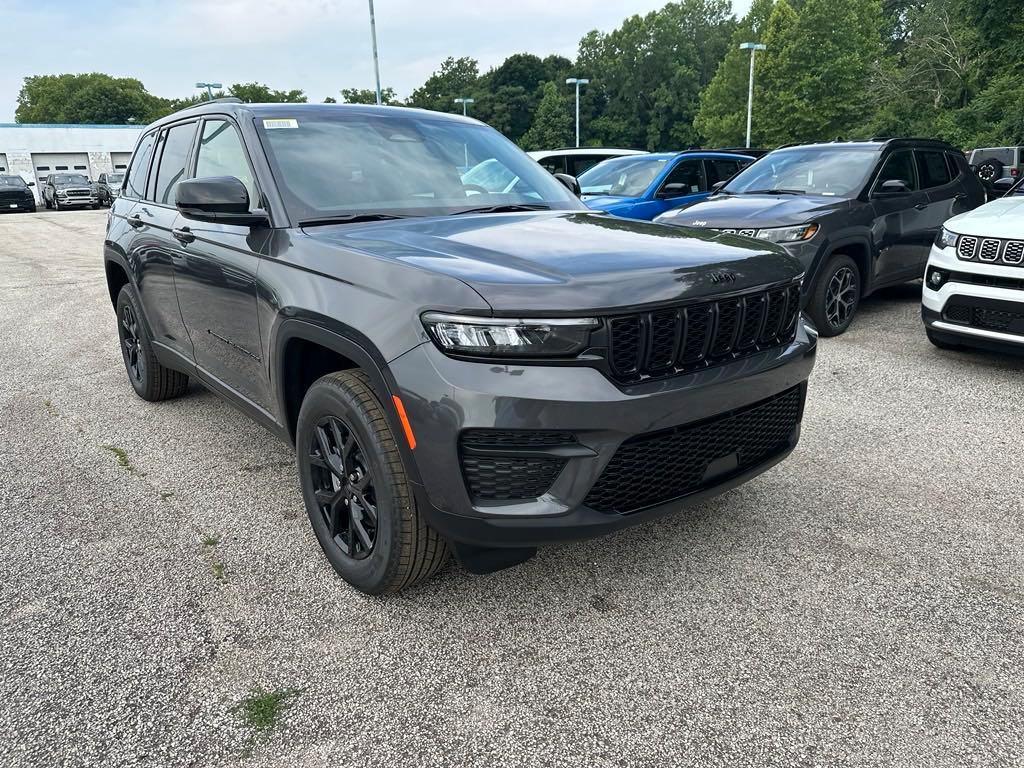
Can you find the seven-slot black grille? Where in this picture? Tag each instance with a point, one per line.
(498, 466)
(661, 466)
(663, 342)
(991, 250)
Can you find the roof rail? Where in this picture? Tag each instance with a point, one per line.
(221, 100)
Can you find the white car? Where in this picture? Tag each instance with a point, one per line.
(974, 283)
(576, 160)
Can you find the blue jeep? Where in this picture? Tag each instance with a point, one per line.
(643, 186)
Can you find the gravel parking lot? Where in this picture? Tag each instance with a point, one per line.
(164, 602)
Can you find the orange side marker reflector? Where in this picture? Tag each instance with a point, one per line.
(409, 436)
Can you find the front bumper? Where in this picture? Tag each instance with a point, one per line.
(443, 397)
(935, 304)
(90, 200)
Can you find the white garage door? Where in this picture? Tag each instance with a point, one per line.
(3, 163)
(45, 164)
(120, 160)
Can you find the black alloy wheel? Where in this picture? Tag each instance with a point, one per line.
(343, 485)
(131, 347)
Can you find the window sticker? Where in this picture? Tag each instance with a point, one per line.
(281, 122)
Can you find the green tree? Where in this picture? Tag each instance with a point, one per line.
(722, 118)
(258, 93)
(85, 98)
(456, 78)
(368, 96)
(552, 125)
(817, 69)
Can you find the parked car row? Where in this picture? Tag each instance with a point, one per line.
(60, 191)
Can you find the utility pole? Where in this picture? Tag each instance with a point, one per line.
(753, 48)
(376, 63)
(577, 81)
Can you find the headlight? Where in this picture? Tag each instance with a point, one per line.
(497, 337)
(946, 239)
(788, 234)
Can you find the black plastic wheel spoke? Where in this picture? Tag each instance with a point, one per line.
(364, 537)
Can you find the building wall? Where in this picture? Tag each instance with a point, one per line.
(19, 141)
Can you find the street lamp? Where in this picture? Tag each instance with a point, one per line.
(209, 88)
(464, 102)
(577, 81)
(376, 63)
(465, 147)
(753, 48)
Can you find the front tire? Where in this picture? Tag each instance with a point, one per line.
(836, 295)
(357, 494)
(150, 380)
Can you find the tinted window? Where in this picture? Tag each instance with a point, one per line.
(12, 181)
(221, 154)
(553, 164)
(139, 167)
(953, 166)
(173, 159)
(932, 169)
(720, 170)
(690, 174)
(899, 167)
(581, 163)
(69, 178)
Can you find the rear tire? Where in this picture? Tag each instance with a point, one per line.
(360, 504)
(150, 380)
(836, 295)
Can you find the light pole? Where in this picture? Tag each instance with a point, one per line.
(753, 48)
(577, 81)
(209, 88)
(376, 63)
(464, 102)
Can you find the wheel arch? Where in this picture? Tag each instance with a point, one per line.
(858, 249)
(303, 350)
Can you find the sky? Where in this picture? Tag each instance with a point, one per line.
(318, 46)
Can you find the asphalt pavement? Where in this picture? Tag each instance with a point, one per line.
(163, 601)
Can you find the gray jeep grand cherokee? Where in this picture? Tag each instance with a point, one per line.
(859, 215)
(459, 370)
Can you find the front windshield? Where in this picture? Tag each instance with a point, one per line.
(622, 176)
(70, 178)
(335, 162)
(12, 181)
(115, 179)
(831, 171)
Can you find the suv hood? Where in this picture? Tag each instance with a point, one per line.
(569, 262)
(755, 211)
(1002, 218)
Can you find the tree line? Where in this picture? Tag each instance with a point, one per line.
(676, 77)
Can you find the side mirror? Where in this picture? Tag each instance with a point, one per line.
(674, 190)
(217, 199)
(31, 183)
(1004, 184)
(570, 183)
(718, 185)
(892, 188)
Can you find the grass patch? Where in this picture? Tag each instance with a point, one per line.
(211, 539)
(262, 710)
(218, 569)
(122, 458)
(51, 408)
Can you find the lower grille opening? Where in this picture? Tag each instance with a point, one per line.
(504, 465)
(658, 467)
(987, 314)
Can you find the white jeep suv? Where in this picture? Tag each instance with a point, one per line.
(974, 284)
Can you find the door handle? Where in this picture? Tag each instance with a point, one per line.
(961, 197)
(921, 206)
(183, 235)
(135, 221)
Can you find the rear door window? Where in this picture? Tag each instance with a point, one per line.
(720, 170)
(136, 186)
(177, 143)
(931, 168)
(580, 163)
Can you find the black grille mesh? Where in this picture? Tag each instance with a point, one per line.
(968, 312)
(491, 476)
(658, 467)
(668, 341)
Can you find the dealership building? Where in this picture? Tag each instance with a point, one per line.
(34, 151)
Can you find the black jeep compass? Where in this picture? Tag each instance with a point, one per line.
(459, 370)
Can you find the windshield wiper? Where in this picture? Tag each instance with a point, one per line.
(349, 218)
(774, 192)
(506, 208)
